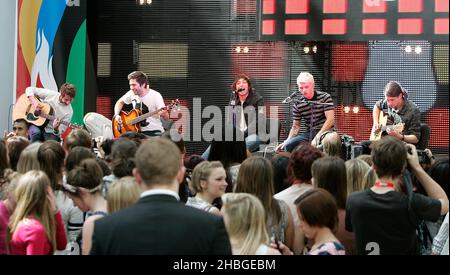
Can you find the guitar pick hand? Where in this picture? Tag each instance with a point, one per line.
(56, 124)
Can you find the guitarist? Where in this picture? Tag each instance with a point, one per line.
(62, 110)
(145, 100)
(399, 110)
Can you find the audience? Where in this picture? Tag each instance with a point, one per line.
(84, 188)
(280, 171)
(277, 205)
(36, 224)
(28, 159)
(231, 153)
(299, 171)
(384, 219)
(77, 137)
(329, 173)
(51, 158)
(122, 193)
(7, 206)
(15, 145)
(256, 178)
(245, 221)
(207, 183)
(122, 161)
(357, 169)
(158, 223)
(318, 215)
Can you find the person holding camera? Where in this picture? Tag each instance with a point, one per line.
(383, 218)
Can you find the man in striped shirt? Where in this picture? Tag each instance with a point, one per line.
(315, 108)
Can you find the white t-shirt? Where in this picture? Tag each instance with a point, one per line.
(151, 102)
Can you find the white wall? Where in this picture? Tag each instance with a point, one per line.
(7, 36)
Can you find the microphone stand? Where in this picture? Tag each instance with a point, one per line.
(233, 103)
(312, 104)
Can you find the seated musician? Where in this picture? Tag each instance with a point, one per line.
(399, 110)
(144, 100)
(62, 108)
(315, 108)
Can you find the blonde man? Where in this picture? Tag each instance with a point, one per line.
(315, 108)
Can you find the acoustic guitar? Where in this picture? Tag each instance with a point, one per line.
(131, 119)
(25, 110)
(383, 120)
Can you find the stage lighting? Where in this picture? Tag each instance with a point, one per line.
(144, 2)
(408, 49)
(418, 49)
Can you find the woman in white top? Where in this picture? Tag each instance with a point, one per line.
(245, 221)
(84, 188)
(208, 183)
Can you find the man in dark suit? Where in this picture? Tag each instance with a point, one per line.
(158, 223)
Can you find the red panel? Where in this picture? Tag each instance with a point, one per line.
(104, 106)
(268, 6)
(296, 26)
(356, 125)
(410, 5)
(268, 27)
(374, 26)
(334, 6)
(441, 26)
(438, 121)
(374, 6)
(245, 7)
(344, 68)
(334, 26)
(263, 60)
(297, 6)
(441, 5)
(410, 26)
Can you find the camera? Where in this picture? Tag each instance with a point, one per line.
(423, 157)
(350, 148)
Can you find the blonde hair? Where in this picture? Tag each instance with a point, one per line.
(332, 144)
(122, 194)
(305, 77)
(202, 171)
(31, 197)
(245, 221)
(356, 171)
(28, 159)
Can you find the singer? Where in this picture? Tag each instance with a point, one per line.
(242, 97)
(315, 108)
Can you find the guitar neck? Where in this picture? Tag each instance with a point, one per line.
(145, 116)
(51, 118)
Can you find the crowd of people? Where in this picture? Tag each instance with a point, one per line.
(141, 194)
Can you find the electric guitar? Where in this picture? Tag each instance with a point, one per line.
(383, 119)
(131, 119)
(25, 110)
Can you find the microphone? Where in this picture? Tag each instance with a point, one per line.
(289, 98)
(239, 90)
